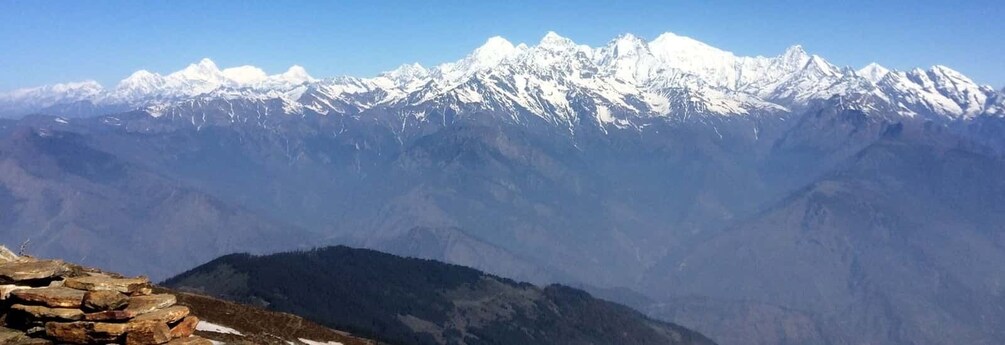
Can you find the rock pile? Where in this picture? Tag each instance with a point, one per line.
(44, 302)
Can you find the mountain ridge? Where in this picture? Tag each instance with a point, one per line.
(414, 301)
(668, 76)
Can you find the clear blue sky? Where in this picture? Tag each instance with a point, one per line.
(45, 42)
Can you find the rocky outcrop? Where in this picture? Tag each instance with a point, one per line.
(44, 302)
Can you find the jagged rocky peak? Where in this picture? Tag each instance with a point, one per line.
(628, 42)
(556, 56)
(626, 46)
(627, 58)
(795, 55)
(818, 64)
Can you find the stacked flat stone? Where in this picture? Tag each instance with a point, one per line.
(51, 302)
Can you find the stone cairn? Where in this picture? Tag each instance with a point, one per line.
(45, 302)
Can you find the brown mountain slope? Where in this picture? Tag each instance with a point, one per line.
(258, 326)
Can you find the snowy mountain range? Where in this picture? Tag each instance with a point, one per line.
(759, 200)
(622, 84)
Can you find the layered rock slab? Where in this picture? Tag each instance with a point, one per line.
(49, 301)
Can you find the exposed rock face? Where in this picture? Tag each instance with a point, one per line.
(84, 332)
(19, 271)
(106, 283)
(50, 301)
(10, 336)
(167, 315)
(185, 328)
(148, 332)
(56, 297)
(40, 312)
(146, 304)
(110, 315)
(104, 300)
(5, 290)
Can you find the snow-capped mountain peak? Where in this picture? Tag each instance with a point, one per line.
(554, 40)
(623, 47)
(668, 45)
(873, 72)
(139, 77)
(203, 77)
(205, 67)
(945, 74)
(667, 76)
(29, 100)
(72, 92)
(494, 50)
(795, 55)
(690, 55)
(407, 72)
(628, 38)
(820, 65)
(490, 54)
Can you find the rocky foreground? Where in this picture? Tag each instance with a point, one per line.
(53, 302)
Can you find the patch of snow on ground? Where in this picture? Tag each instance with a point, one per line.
(311, 342)
(212, 327)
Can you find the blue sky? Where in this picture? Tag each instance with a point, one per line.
(44, 42)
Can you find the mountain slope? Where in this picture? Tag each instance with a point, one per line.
(63, 197)
(413, 301)
(239, 324)
(618, 210)
(899, 245)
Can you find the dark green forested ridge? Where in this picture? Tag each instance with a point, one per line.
(416, 301)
